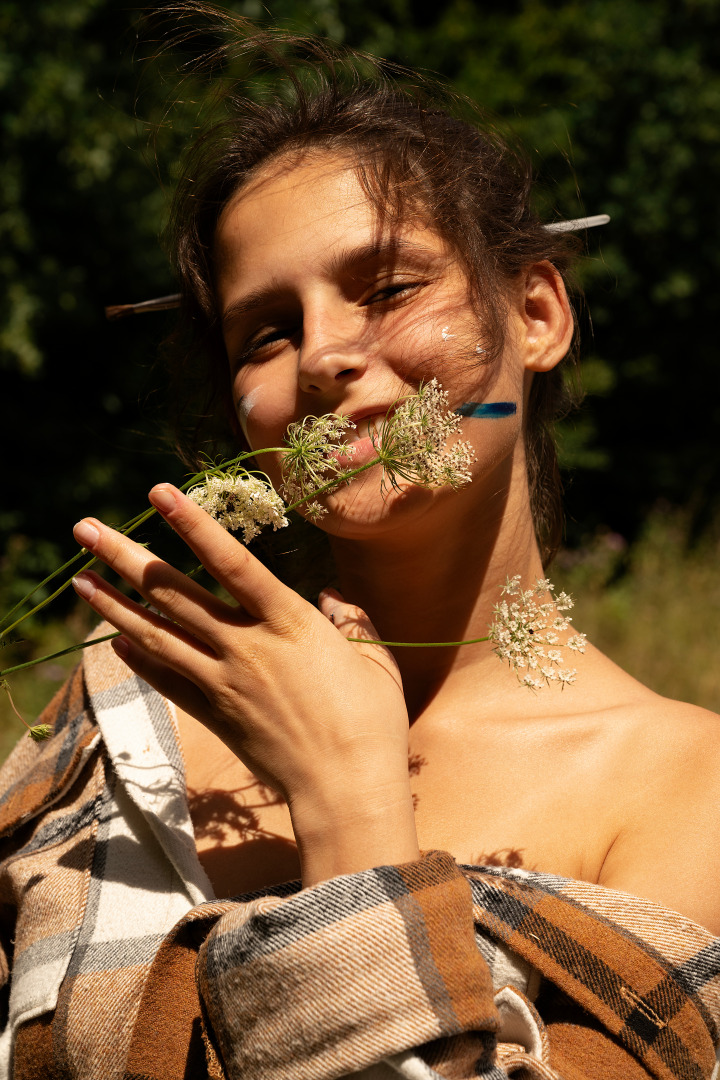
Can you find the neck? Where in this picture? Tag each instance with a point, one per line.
(439, 580)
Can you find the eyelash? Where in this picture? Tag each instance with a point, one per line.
(387, 293)
(269, 338)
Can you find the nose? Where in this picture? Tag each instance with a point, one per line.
(331, 354)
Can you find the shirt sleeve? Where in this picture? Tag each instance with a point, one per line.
(348, 974)
(378, 975)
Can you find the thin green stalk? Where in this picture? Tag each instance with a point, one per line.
(135, 523)
(47, 599)
(61, 652)
(342, 479)
(39, 585)
(125, 529)
(417, 644)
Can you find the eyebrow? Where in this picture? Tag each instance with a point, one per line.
(386, 251)
(383, 251)
(258, 298)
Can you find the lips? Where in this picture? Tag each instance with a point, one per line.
(368, 422)
(364, 437)
(366, 428)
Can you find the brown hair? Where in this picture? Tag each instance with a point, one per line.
(418, 147)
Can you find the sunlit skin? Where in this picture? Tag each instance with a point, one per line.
(603, 781)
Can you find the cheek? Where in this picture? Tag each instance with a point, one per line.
(263, 410)
(246, 405)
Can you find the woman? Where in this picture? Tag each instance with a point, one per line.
(339, 250)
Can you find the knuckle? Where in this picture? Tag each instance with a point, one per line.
(157, 640)
(158, 583)
(231, 562)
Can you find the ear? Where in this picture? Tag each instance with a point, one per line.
(546, 321)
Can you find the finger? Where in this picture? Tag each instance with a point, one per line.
(184, 693)
(352, 622)
(230, 563)
(167, 642)
(349, 619)
(167, 589)
(330, 601)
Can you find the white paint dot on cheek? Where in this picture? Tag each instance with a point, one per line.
(246, 404)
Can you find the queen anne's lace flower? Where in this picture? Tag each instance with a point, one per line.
(413, 441)
(241, 501)
(522, 628)
(315, 449)
(411, 445)
(40, 732)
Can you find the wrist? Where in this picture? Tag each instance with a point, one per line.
(343, 831)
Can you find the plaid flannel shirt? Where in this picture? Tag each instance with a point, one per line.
(120, 964)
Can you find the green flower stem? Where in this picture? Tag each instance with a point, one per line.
(49, 598)
(341, 478)
(61, 652)
(125, 529)
(415, 644)
(39, 585)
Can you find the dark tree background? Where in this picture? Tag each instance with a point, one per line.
(618, 102)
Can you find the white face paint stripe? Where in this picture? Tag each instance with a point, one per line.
(247, 403)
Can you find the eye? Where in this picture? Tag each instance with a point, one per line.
(397, 291)
(260, 345)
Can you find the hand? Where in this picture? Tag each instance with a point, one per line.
(320, 719)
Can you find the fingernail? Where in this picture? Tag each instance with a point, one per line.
(162, 499)
(85, 586)
(86, 534)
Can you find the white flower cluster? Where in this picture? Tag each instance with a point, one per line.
(413, 441)
(527, 633)
(241, 501)
(314, 447)
(411, 444)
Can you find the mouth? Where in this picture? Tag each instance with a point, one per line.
(368, 424)
(368, 427)
(364, 438)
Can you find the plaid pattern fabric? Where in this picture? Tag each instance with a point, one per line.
(98, 864)
(125, 967)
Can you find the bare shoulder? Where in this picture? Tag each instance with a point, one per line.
(667, 846)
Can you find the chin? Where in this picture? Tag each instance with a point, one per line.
(363, 510)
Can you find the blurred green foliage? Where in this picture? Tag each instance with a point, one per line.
(618, 102)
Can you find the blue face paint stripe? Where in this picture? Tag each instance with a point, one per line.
(488, 409)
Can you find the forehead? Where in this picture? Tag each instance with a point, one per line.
(300, 207)
(286, 195)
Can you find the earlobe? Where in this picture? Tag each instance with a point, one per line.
(546, 317)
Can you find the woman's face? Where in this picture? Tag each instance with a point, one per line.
(324, 312)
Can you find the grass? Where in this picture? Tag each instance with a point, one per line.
(654, 608)
(33, 688)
